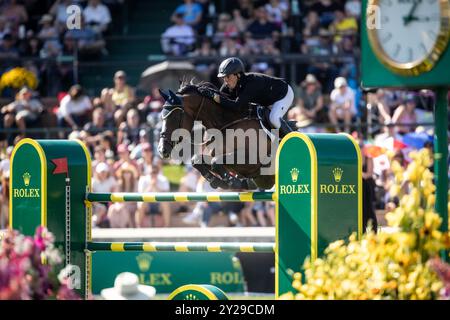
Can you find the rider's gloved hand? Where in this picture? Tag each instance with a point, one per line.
(206, 92)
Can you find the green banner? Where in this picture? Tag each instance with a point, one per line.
(167, 271)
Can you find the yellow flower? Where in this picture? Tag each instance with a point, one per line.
(385, 265)
(17, 78)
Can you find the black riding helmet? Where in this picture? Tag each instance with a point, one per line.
(229, 66)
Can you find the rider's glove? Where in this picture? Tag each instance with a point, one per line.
(208, 93)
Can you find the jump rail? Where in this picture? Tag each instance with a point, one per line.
(181, 246)
(180, 197)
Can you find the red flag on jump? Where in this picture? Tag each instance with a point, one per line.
(60, 165)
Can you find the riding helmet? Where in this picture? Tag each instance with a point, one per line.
(229, 66)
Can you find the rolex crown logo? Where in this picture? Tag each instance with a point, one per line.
(294, 174)
(144, 261)
(337, 174)
(26, 179)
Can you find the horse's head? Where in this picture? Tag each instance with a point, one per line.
(172, 117)
(180, 111)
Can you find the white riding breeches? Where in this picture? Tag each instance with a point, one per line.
(280, 107)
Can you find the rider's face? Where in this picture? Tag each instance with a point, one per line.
(230, 80)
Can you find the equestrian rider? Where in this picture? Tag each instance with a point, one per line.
(244, 88)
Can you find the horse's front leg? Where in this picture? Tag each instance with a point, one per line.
(232, 181)
(206, 172)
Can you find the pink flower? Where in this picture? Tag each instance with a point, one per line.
(22, 273)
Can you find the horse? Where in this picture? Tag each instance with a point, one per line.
(183, 108)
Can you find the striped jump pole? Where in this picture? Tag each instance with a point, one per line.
(180, 197)
(181, 246)
(318, 199)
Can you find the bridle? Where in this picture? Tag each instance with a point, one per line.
(180, 108)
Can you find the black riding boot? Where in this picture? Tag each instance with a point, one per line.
(284, 129)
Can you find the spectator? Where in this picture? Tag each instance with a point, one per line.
(117, 98)
(15, 13)
(124, 158)
(25, 110)
(225, 29)
(325, 9)
(129, 130)
(121, 214)
(387, 137)
(99, 157)
(230, 47)
(261, 27)
(74, 108)
(147, 213)
(59, 11)
(178, 39)
(377, 104)
(151, 107)
(31, 47)
(96, 127)
(325, 71)
(309, 104)
(97, 16)
(127, 287)
(343, 25)
(188, 183)
(4, 27)
(102, 182)
(191, 13)
(246, 8)
(239, 21)
(89, 43)
(405, 116)
(277, 12)
(353, 8)
(107, 143)
(311, 28)
(265, 214)
(146, 160)
(50, 38)
(203, 63)
(8, 51)
(342, 106)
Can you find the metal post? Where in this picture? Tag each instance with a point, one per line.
(441, 157)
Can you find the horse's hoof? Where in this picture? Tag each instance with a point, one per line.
(235, 183)
(214, 183)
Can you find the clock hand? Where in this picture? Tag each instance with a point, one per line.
(420, 19)
(407, 19)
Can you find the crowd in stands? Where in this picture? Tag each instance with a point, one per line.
(40, 34)
(118, 126)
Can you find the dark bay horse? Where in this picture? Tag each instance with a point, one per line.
(187, 106)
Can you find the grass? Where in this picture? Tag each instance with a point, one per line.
(174, 173)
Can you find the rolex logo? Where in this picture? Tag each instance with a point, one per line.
(294, 174)
(26, 179)
(144, 261)
(337, 174)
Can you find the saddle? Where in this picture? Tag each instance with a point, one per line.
(263, 115)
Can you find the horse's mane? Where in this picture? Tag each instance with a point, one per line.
(188, 86)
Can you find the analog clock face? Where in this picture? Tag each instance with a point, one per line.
(409, 28)
(410, 32)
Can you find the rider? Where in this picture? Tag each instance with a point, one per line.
(244, 88)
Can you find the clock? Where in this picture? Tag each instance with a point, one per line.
(408, 36)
